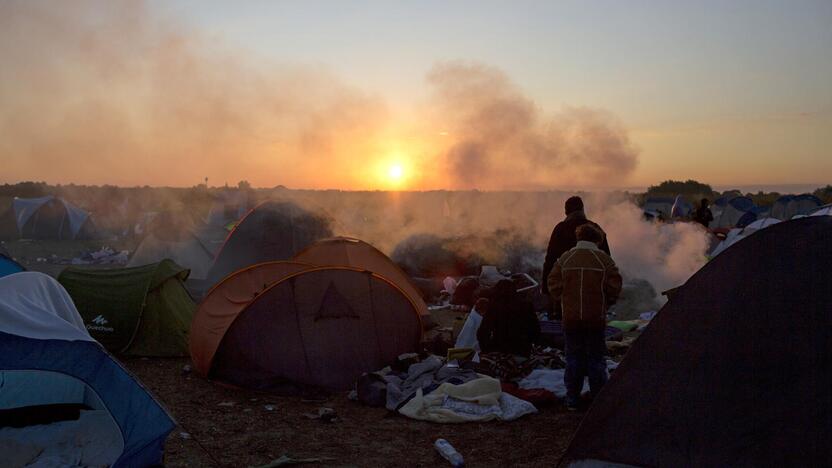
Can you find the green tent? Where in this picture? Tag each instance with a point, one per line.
(139, 311)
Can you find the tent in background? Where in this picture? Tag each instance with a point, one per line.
(64, 400)
(188, 251)
(50, 218)
(271, 231)
(663, 205)
(8, 265)
(825, 210)
(728, 211)
(229, 206)
(171, 235)
(138, 311)
(735, 370)
(789, 206)
(737, 234)
(286, 326)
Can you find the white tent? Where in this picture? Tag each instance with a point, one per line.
(825, 210)
(735, 235)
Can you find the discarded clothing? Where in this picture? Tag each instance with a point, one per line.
(535, 396)
(476, 401)
(427, 374)
(624, 325)
(552, 380)
(508, 367)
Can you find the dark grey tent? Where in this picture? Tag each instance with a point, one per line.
(51, 218)
(270, 231)
(736, 370)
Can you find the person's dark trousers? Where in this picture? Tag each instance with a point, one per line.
(553, 310)
(585, 350)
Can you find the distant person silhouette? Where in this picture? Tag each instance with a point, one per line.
(562, 239)
(703, 214)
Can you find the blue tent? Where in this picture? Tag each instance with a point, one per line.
(8, 265)
(728, 211)
(48, 360)
(788, 206)
(755, 213)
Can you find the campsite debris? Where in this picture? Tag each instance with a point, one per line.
(269, 407)
(186, 369)
(325, 414)
(449, 453)
(352, 395)
(104, 256)
(287, 460)
(184, 435)
(226, 403)
(647, 315)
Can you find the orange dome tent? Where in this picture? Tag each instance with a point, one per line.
(283, 325)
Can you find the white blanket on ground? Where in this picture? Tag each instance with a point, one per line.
(552, 380)
(476, 401)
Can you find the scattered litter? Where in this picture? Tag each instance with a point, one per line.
(449, 453)
(324, 414)
(104, 256)
(184, 435)
(352, 396)
(647, 315)
(450, 285)
(247, 410)
(269, 407)
(226, 403)
(186, 369)
(287, 460)
(252, 399)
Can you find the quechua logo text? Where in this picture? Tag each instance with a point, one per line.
(99, 324)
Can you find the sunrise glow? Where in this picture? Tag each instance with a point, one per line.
(395, 172)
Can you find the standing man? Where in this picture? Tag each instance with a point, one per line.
(703, 214)
(586, 282)
(563, 239)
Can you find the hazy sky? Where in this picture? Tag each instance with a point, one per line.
(730, 93)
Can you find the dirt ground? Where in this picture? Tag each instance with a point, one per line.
(219, 426)
(232, 427)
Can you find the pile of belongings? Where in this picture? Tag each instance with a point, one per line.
(103, 256)
(431, 389)
(464, 294)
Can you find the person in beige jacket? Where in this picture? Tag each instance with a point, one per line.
(586, 282)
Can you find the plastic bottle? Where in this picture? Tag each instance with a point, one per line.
(449, 453)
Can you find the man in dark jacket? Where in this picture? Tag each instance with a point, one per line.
(703, 214)
(563, 239)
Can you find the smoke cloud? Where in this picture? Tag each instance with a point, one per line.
(501, 139)
(453, 233)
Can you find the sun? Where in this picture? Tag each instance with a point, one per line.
(395, 172)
